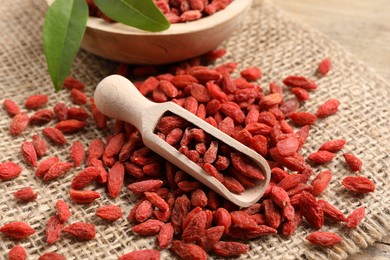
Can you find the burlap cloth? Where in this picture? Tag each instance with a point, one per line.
(268, 39)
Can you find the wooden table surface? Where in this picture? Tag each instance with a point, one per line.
(363, 28)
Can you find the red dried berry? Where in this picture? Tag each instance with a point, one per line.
(52, 256)
(17, 230)
(251, 73)
(354, 219)
(320, 182)
(354, 163)
(19, 123)
(148, 228)
(311, 210)
(84, 196)
(144, 186)
(70, 126)
(35, 101)
(17, 253)
(85, 177)
(40, 145)
(331, 211)
(11, 107)
(53, 229)
(323, 238)
(303, 118)
(333, 145)
(230, 249)
(29, 154)
(95, 150)
(41, 117)
(301, 93)
(26, 194)
(78, 113)
(54, 135)
(324, 66)
(62, 209)
(358, 184)
(61, 111)
(109, 212)
(165, 236)
(76, 153)
(115, 179)
(73, 83)
(9, 170)
(45, 165)
(78, 97)
(300, 82)
(81, 230)
(141, 255)
(330, 107)
(188, 251)
(56, 170)
(322, 156)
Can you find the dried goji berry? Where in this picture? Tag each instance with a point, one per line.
(54, 135)
(83, 196)
(311, 210)
(78, 97)
(321, 156)
(323, 238)
(29, 154)
(320, 182)
(300, 81)
(354, 163)
(52, 256)
(115, 179)
(328, 108)
(62, 210)
(84, 177)
(251, 73)
(41, 117)
(81, 230)
(230, 249)
(17, 253)
(70, 126)
(188, 251)
(17, 230)
(35, 101)
(9, 170)
(78, 113)
(333, 145)
(26, 194)
(141, 254)
(11, 107)
(61, 111)
(56, 170)
(355, 217)
(148, 228)
(324, 66)
(53, 229)
(303, 118)
(331, 211)
(73, 83)
(358, 184)
(109, 212)
(19, 123)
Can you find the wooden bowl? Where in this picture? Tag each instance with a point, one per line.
(181, 41)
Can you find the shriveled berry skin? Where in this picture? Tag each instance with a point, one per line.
(324, 238)
(81, 230)
(52, 256)
(358, 184)
(109, 212)
(9, 170)
(17, 230)
(141, 255)
(17, 253)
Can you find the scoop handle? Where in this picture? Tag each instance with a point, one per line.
(116, 97)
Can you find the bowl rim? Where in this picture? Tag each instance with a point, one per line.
(233, 9)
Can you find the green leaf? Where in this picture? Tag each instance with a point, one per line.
(63, 31)
(142, 14)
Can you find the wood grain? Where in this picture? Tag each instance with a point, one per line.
(363, 28)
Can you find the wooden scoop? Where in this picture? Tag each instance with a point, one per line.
(117, 97)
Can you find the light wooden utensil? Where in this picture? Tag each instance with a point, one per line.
(116, 97)
(118, 42)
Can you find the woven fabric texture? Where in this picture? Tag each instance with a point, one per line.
(269, 39)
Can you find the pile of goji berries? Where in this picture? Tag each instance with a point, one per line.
(188, 218)
(176, 11)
